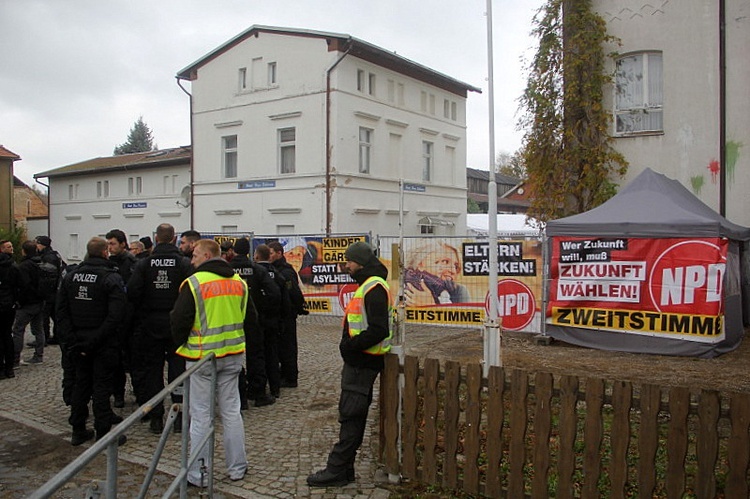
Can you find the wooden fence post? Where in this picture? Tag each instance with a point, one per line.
(410, 422)
(568, 429)
(450, 432)
(622, 401)
(519, 388)
(542, 432)
(472, 431)
(707, 444)
(495, 418)
(677, 441)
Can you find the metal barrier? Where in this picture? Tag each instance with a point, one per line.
(109, 443)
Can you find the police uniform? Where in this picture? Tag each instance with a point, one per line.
(90, 307)
(262, 345)
(152, 291)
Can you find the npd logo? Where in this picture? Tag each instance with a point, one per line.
(515, 304)
(687, 278)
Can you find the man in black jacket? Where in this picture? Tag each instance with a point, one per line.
(91, 306)
(362, 351)
(31, 306)
(261, 355)
(49, 255)
(288, 338)
(152, 291)
(10, 281)
(117, 244)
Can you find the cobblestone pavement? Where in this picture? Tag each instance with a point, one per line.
(285, 441)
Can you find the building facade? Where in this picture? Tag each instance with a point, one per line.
(298, 131)
(131, 192)
(680, 101)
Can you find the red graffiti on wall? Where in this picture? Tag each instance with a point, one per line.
(714, 168)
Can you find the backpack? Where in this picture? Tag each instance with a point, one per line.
(48, 277)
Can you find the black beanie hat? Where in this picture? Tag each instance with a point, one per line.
(360, 252)
(43, 240)
(147, 243)
(242, 246)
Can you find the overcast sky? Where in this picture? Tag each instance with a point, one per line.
(76, 74)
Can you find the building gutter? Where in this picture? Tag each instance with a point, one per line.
(329, 193)
(722, 108)
(49, 206)
(192, 153)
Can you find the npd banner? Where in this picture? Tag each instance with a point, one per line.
(669, 287)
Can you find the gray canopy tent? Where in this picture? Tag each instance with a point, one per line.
(654, 206)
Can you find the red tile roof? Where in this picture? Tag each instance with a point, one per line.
(8, 154)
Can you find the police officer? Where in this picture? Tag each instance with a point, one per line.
(288, 339)
(262, 356)
(152, 291)
(90, 307)
(125, 261)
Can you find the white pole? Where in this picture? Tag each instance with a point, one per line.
(492, 354)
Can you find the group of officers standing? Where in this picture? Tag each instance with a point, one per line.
(112, 315)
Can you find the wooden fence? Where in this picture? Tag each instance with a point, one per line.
(515, 434)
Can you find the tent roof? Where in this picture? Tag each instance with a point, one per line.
(652, 205)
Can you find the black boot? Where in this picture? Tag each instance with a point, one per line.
(325, 478)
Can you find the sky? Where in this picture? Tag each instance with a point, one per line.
(76, 74)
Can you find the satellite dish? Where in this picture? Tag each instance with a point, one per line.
(185, 196)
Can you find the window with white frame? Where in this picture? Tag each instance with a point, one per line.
(638, 93)
(371, 84)
(102, 189)
(427, 160)
(73, 249)
(391, 90)
(423, 101)
(427, 229)
(229, 155)
(271, 74)
(454, 110)
(72, 191)
(365, 146)
(135, 186)
(446, 108)
(287, 150)
(360, 80)
(242, 77)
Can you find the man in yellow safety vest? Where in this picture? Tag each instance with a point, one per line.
(211, 314)
(365, 340)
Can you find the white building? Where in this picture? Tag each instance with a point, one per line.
(298, 131)
(681, 102)
(132, 192)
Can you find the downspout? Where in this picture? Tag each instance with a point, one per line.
(329, 193)
(722, 109)
(179, 84)
(49, 206)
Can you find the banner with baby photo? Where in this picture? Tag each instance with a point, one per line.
(446, 280)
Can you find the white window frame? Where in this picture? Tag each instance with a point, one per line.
(428, 160)
(272, 74)
(287, 148)
(102, 189)
(229, 156)
(643, 112)
(365, 149)
(371, 84)
(135, 186)
(242, 79)
(360, 80)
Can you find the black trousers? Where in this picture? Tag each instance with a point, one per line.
(93, 382)
(69, 374)
(271, 333)
(7, 316)
(255, 357)
(48, 317)
(288, 349)
(354, 404)
(148, 356)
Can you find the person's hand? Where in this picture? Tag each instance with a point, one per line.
(416, 297)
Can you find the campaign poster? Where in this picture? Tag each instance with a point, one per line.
(671, 287)
(319, 262)
(446, 282)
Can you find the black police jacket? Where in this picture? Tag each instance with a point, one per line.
(155, 284)
(265, 292)
(91, 305)
(10, 280)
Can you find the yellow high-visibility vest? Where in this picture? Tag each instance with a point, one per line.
(220, 305)
(356, 315)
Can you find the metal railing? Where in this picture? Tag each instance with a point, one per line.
(109, 442)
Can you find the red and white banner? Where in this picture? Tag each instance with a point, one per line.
(660, 287)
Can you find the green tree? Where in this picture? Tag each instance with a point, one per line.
(511, 164)
(567, 149)
(472, 206)
(140, 139)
